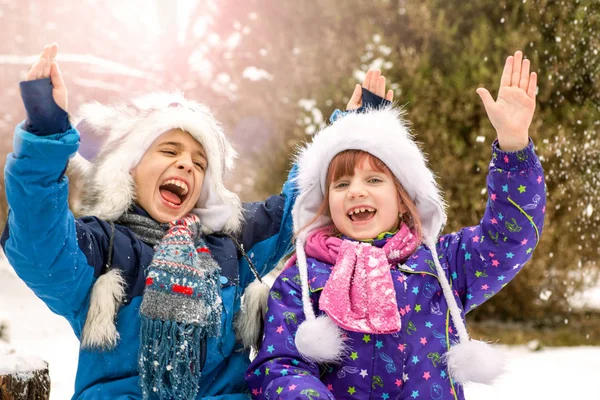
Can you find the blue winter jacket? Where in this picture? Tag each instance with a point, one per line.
(60, 257)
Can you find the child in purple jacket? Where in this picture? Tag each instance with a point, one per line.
(373, 303)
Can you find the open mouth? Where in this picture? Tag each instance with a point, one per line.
(174, 191)
(361, 214)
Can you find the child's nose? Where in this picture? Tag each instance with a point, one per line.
(185, 163)
(357, 192)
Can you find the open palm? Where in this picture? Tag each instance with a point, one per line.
(511, 114)
(47, 67)
(374, 82)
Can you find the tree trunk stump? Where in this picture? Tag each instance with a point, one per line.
(23, 378)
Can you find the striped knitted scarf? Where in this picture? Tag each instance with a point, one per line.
(181, 307)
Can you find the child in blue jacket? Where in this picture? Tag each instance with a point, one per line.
(151, 277)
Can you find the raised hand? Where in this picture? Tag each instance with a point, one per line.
(46, 67)
(373, 82)
(512, 112)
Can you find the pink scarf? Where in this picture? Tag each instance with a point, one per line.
(359, 295)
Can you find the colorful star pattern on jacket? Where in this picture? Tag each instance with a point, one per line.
(479, 261)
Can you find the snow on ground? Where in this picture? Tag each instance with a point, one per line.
(550, 374)
(35, 330)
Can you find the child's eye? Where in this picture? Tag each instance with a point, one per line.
(200, 166)
(167, 151)
(340, 185)
(375, 180)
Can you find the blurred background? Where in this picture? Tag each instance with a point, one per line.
(273, 71)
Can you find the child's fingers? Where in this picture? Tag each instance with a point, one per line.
(516, 73)
(46, 54)
(507, 72)
(56, 77)
(367, 79)
(53, 50)
(380, 86)
(524, 82)
(390, 95)
(35, 70)
(356, 95)
(531, 89)
(374, 78)
(59, 91)
(486, 98)
(355, 99)
(46, 70)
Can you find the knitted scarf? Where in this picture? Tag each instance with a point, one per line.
(145, 228)
(359, 295)
(181, 307)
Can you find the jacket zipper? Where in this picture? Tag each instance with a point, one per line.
(409, 271)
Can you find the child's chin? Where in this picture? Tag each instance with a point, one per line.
(360, 235)
(166, 217)
(164, 214)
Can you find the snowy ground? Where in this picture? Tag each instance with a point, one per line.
(558, 373)
(35, 330)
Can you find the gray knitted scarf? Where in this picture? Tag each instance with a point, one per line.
(145, 228)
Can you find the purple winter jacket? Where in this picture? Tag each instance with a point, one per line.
(479, 261)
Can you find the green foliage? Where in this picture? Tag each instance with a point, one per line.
(437, 53)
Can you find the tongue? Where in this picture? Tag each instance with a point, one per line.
(170, 196)
(362, 216)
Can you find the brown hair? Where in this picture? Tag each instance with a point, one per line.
(344, 163)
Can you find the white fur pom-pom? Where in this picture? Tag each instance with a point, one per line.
(320, 340)
(475, 361)
(100, 331)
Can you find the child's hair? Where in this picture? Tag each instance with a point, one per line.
(343, 164)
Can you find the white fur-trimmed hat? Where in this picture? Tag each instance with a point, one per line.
(384, 134)
(128, 130)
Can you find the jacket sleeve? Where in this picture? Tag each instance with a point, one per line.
(279, 371)
(482, 259)
(267, 231)
(44, 116)
(40, 238)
